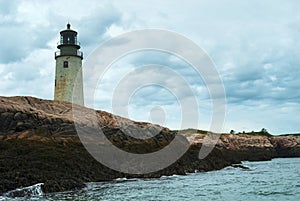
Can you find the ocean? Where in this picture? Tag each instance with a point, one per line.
(278, 179)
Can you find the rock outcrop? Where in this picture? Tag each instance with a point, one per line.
(39, 144)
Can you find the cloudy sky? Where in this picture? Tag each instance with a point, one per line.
(255, 46)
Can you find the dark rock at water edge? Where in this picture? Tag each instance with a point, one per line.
(39, 144)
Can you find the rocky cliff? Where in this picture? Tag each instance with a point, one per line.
(39, 144)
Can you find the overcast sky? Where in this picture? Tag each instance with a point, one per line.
(255, 46)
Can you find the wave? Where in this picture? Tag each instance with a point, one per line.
(34, 190)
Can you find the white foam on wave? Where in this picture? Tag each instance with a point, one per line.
(34, 190)
(121, 179)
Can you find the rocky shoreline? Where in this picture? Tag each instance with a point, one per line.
(39, 144)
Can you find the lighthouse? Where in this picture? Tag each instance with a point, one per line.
(68, 71)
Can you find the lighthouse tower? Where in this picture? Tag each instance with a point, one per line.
(68, 72)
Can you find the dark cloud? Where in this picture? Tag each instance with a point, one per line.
(18, 41)
(19, 37)
(94, 26)
(152, 95)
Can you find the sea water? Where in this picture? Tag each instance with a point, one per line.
(278, 179)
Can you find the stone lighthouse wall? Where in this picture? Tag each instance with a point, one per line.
(65, 78)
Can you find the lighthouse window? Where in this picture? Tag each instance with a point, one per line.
(66, 64)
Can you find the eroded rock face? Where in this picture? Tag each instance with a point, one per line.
(36, 119)
(33, 119)
(286, 146)
(39, 144)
